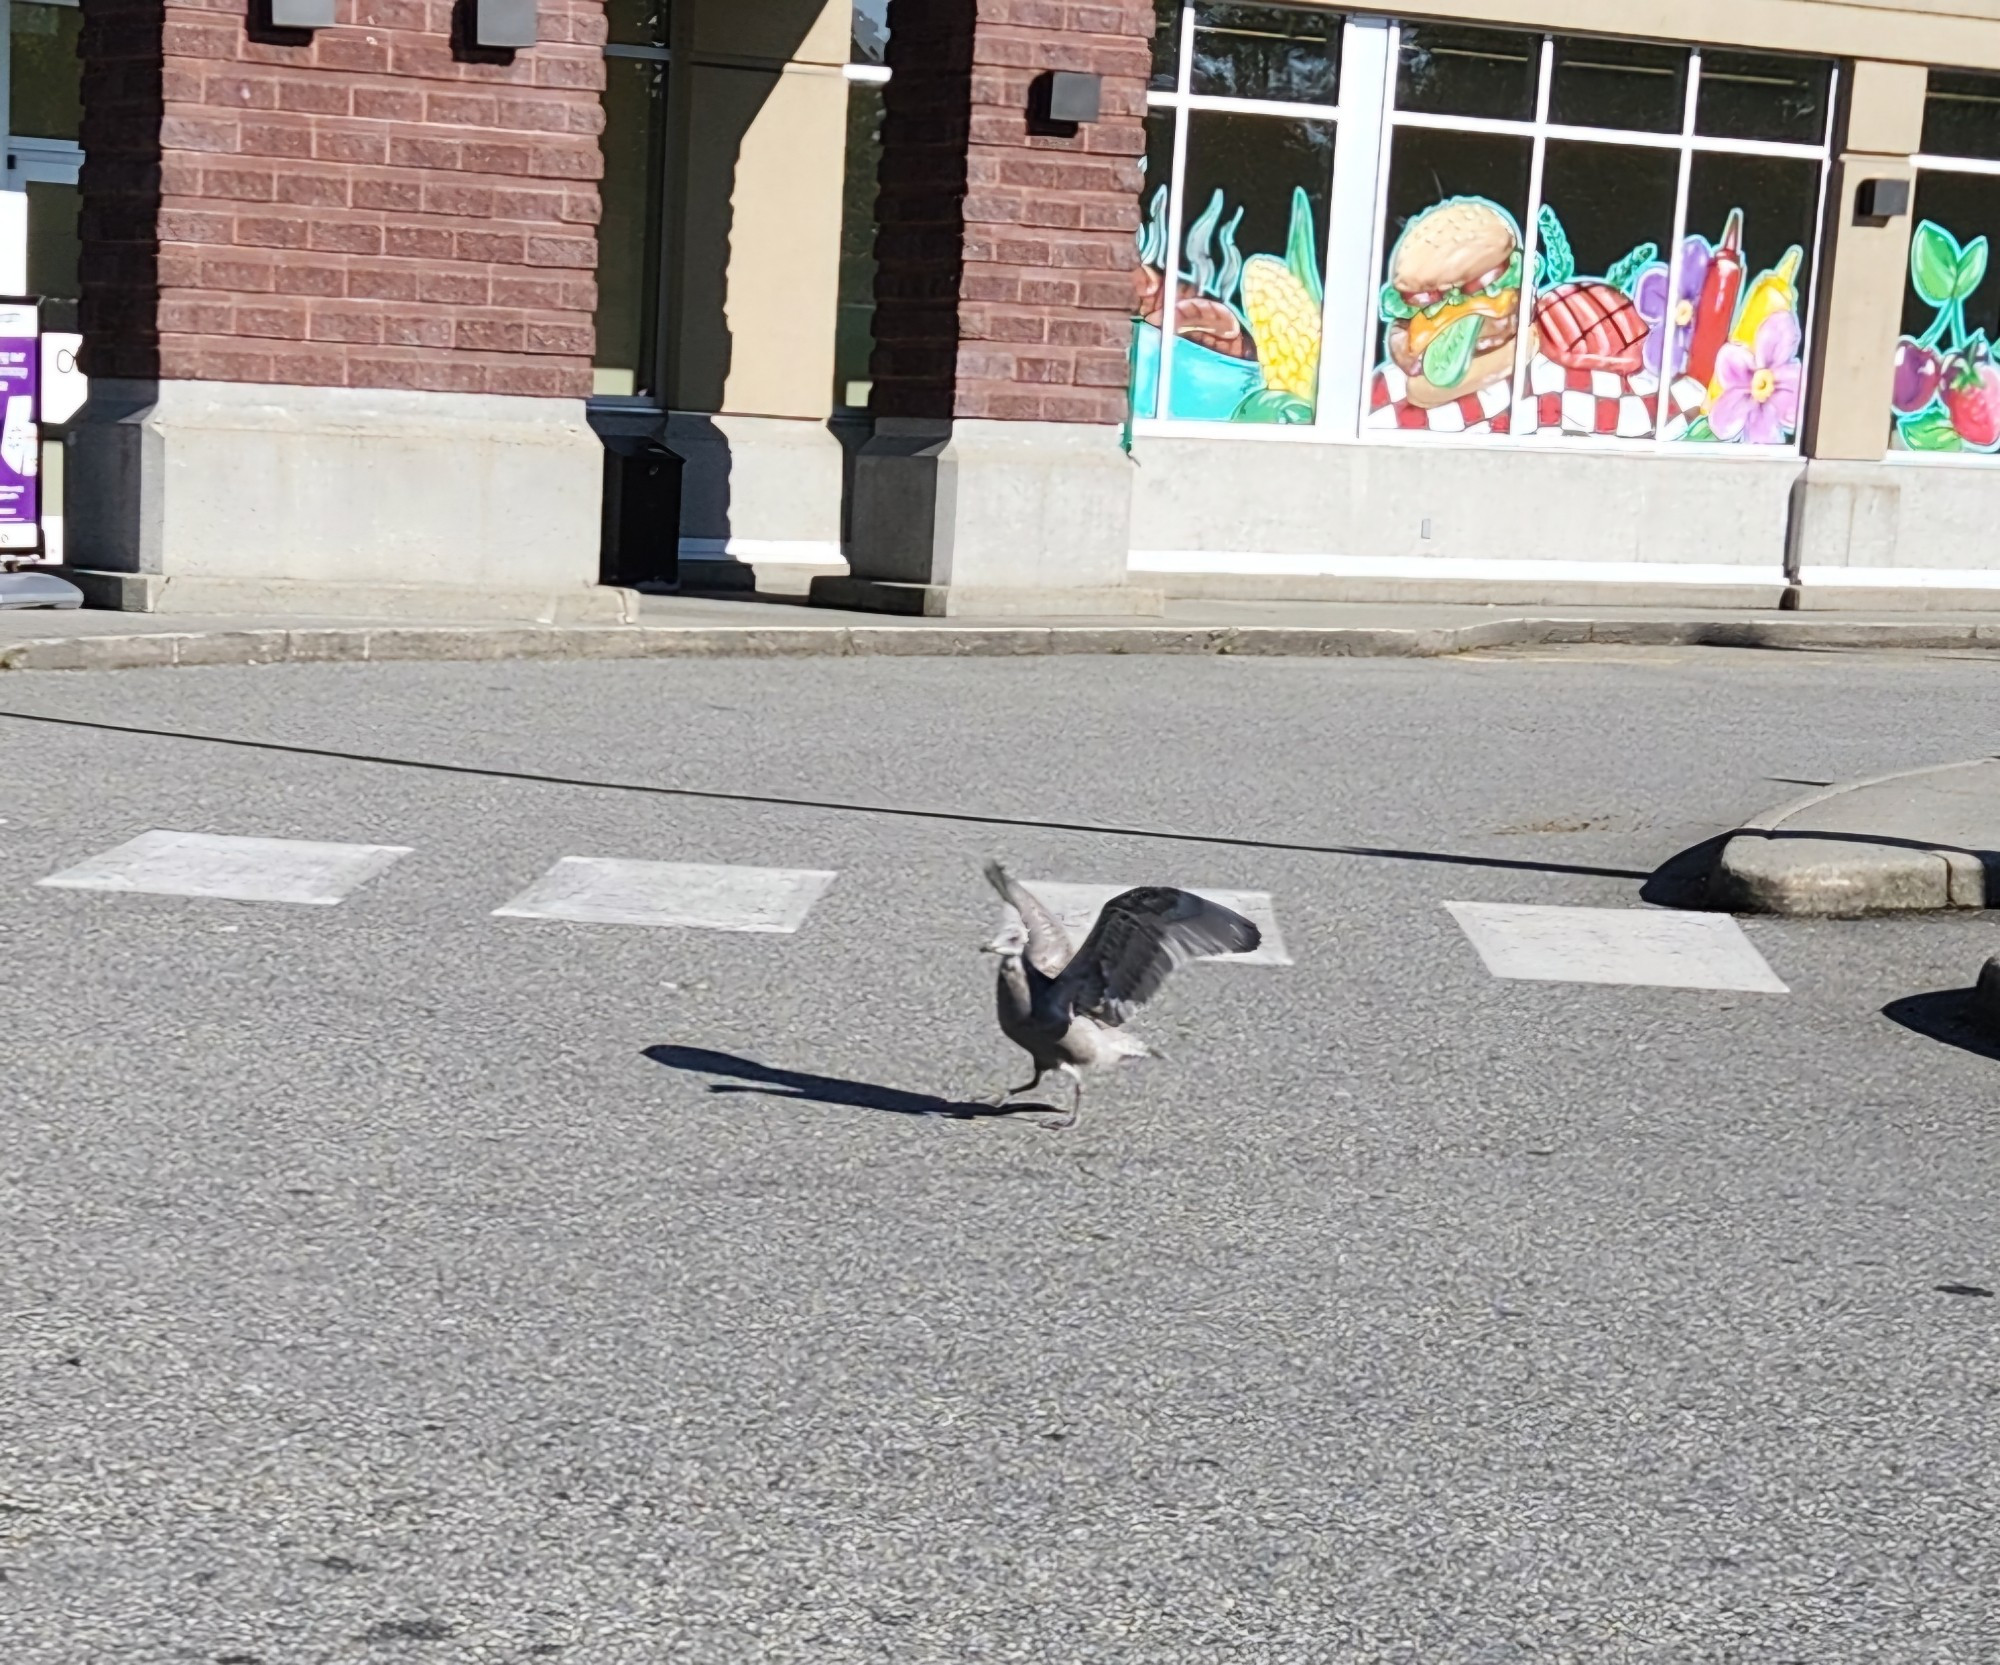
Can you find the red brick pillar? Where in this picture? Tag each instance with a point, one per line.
(995, 481)
(337, 298)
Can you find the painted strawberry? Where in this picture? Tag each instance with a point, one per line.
(1972, 397)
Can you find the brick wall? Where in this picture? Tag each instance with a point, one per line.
(1003, 284)
(356, 208)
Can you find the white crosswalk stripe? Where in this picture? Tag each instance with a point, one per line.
(1076, 908)
(1635, 946)
(1645, 946)
(601, 891)
(164, 863)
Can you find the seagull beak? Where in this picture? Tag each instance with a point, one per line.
(1012, 940)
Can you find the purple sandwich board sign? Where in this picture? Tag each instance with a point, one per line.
(20, 428)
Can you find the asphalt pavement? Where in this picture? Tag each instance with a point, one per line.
(394, 1280)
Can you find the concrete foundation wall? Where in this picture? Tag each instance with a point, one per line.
(1457, 516)
(1036, 507)
(1899, 525)
(1221, 518)
(345, 486)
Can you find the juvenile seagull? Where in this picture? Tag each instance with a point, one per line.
(1066, 1010)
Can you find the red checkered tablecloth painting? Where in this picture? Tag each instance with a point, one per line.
(1598, 403)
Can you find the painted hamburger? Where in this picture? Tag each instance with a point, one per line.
(1453, 300)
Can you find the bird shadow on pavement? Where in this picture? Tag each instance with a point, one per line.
(1943, 1015)
(750, 1076)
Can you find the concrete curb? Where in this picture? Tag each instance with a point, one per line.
(376, 643)
(1894, 861)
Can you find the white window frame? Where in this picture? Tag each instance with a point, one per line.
(1367, 123)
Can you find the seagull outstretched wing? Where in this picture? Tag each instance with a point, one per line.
(1139, 937)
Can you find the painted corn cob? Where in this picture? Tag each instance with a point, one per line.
(1285, 320)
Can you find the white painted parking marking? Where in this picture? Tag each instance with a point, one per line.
(595, 890)
(1076, 908)
(1615, 945)
(161, 863)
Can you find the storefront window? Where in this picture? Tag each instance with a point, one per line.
(1745, 95)
(871, 32)
(854, 327)
(1467, 72)
(1451, 291)
(1265, 52)
(1945, 399)
(55, 252)
(1570, 237)
(45, 112)
(1250, 127)
(46, 79)
(1618, 83)
(1663, 264)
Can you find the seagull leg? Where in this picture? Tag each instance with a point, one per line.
(1064, 1123)
(1015, 1092)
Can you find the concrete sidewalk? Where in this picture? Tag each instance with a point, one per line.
(670, 626)
(1923, 839)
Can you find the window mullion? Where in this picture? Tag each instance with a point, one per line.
(1378, 236)
(1524, 326)
(1667, 376)
(1347, 319)
(1815, 259)
(1170, 291)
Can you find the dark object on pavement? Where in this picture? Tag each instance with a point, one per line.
(1982, 1007)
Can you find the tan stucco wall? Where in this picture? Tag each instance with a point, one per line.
(760, 125)
(1862, 269)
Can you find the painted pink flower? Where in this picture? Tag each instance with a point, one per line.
(1758, 401)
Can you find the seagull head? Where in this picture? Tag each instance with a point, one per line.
(1013, 940)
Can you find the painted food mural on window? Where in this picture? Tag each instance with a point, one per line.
(1597, 347)
(1247, 331)
(1946, 394)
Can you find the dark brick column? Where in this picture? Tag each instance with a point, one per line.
(338, 288)
(362, 206)
(1004, 254)
(1003, 315)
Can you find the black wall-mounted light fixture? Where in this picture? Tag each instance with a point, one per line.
(508, 24)
(1062, 100)
(1881, 200)
(301, 14)
(1075, 96)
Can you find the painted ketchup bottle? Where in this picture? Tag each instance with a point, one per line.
(1715, 310)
